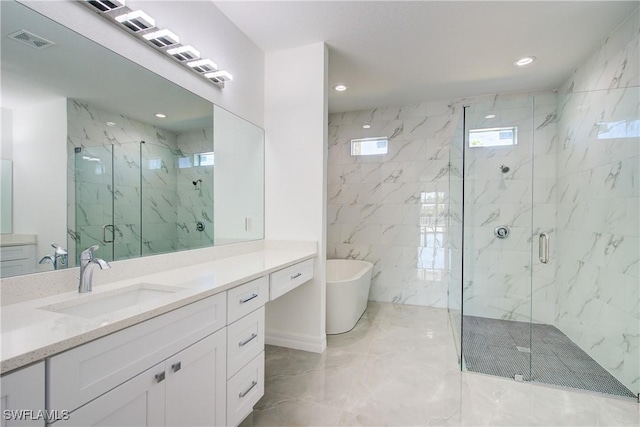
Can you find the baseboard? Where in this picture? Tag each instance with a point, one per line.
(309, 343)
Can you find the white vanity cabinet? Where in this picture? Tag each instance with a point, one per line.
(169, 370)
(245, 348)
(289, 278)
(188, 389)
(23, 390)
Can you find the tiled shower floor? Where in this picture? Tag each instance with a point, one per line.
(502, 348)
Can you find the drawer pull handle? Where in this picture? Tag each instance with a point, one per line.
(245, 342)
(247, 299)
(244, 393)
(160, 377)
(176, 366)
(295, 276)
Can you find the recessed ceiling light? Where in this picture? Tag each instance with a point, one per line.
(161, 115)
(110, 124)
(524, 61)
(490, 116)
(366, 126)
(341, 88)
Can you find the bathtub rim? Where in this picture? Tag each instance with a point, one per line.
(367, 266)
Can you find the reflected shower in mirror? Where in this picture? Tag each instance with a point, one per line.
(106, 152)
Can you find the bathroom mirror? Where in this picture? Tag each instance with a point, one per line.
(94, 164)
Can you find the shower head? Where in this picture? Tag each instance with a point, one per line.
(504, 169)
(196, 182)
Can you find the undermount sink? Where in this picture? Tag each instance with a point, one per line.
(104, 303)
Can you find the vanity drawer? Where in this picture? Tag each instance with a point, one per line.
(282, 281)
(245, 340)
(81, 374)
(243, 299)
(12, 253)
(244, 390)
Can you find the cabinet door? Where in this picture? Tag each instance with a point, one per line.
(196, 383)
(23, 391)
(137, 402)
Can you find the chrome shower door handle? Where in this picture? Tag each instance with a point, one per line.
(543, 248)
(104, 233)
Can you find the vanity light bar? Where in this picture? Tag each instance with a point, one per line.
(143, 27)
(136, 21)
(184, 53)
(203, 65)
(162, 38)
(106, 5)
(219, 76)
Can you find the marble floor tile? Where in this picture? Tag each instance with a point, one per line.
(399, 367)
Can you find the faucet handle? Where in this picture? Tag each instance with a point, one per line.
(59, 249)
(87, 254)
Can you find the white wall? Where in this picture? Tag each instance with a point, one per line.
(296, 164)
(198, 23)
(40, 173)
(6, 143)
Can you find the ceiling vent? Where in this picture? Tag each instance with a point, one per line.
(30, 39)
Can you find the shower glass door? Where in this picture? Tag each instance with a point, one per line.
(498, 193)
(108, 200)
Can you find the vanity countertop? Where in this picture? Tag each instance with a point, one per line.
(30, 333)
(17, 239)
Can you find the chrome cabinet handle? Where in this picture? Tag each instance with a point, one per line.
(160, 377)
(104, 233)
(244, 393)
(249, 298)
(543, 248)
(245, 342)
(295, 276)
(176, 366)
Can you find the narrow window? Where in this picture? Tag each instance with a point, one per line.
(369, 146)
(493, 137)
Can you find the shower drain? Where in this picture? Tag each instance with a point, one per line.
(524, 349)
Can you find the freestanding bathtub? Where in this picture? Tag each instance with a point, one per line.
(348, 283)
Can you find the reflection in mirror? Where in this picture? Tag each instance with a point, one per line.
(238, 178)
(142, 190)
(94, 164)
(6, 204)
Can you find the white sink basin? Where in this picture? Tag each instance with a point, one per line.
(96, 305)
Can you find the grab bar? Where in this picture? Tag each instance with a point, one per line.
(543, 248)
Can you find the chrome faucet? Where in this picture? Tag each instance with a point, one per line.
(87, 264)
(59, 258)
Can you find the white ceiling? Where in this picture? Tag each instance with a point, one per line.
(399, 52)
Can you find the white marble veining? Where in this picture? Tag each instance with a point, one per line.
(30, 333)
(391, 209)
(598, 246)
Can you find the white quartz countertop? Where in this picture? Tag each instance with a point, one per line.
(30, 333)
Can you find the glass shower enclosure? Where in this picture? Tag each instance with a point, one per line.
(544, 222)
(137, 198)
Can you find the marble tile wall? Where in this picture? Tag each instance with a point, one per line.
(392, 209)
(195, 203)
(598, 298)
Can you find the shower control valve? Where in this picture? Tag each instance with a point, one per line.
(501, 232)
